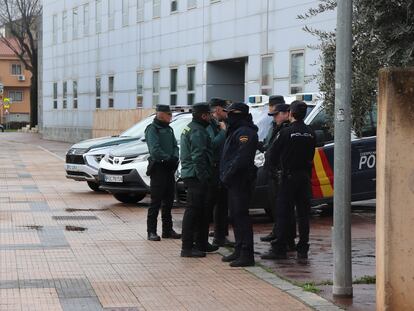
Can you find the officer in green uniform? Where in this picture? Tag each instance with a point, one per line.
(196, 164)
(217, 193)
(163, 163)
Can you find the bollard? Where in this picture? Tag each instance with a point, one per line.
(395, 190)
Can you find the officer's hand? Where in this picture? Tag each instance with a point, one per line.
(223, 126)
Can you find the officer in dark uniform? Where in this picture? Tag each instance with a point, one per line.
(280, 116)
(196, 165)
(237, 172)
(217, 193)
(294, 149)
(274, 100)
(163, 163)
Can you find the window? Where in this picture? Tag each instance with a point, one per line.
(267, 75)
(55, 28)
(191, 4)
(64, 26)
(16, 96)
(173, 87)
(55, 95)
(297, 71)
(75, 23)
(98, 15)
(190, 85)
(65, 95)
(140, 89)
(75, 94)
(321, 123)
(111, 92)
(86, 19)
(155, 88)
(156, 8)
(125, 12)
(16, 69)
(174, 6)
(140, 11)
(98, 93)
(111, 14)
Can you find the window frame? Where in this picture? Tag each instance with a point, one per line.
(55, 29)
(16, 65)
(55, 95)
(176, 6)
(173, 88)
(98, 16)
(266, 89)
(111, 87)
(65, 26)
(155, 88)
(12, 93)
(111, 15)
(64, 94)
(75, 23)
(86, 19)
(98, 92)
(125, 13)
(75, 94)
(191, 92)
(140, 11)
(156, 8)
(140, 89)
(296, 85)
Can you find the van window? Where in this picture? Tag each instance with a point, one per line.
(370, 123)
(321, 123)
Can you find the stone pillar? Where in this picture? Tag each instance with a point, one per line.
(395, 190)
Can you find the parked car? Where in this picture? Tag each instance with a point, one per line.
(82, 159)
(122, 171)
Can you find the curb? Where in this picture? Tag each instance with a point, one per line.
(310, 299)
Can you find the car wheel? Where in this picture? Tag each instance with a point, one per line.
(129, 198)
(94, 186)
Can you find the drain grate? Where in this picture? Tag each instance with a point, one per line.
(75, 217)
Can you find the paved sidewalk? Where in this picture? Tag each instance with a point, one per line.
(63, 247)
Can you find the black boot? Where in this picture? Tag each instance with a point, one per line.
(291, 246)
(235, 255)
(209, 248)
(193, 253)
(271, 254)
(246, 259)
(268, 238)
(152, 236)
(171, 235)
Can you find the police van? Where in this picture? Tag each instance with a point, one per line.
(363, 152)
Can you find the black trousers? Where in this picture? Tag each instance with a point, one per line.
(273, 186)
(239, 195)
(294, 190)
(162, 197)
(217, 206)
(194, 220)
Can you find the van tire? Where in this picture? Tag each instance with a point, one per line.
(129, 198)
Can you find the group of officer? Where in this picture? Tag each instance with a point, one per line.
(217, 151)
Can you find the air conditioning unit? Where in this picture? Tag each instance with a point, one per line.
(21, 78)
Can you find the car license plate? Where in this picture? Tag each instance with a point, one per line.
(72, 168)
(114, 178)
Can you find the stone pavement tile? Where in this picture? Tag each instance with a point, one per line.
(156, 298)
(74, 288)
(115, 294)
(100, 272)
(39, 299)
(81, 304)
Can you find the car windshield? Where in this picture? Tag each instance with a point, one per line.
(138, 129)
(179, 124)
(264, 121)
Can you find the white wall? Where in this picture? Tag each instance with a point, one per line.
(223, 30)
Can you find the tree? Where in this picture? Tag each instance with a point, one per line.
(21, 21)
(383, 35)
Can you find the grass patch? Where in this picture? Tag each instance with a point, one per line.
(311, 287)
(366, 279)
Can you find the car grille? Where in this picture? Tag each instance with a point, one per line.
(121, 172)
(77, 174)
(74, 159)
(127, 160)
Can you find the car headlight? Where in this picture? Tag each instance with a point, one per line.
(142, 158)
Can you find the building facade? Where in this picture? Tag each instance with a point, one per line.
(132, 54)
(15, 81)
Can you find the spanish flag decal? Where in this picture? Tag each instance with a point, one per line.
(322, 176)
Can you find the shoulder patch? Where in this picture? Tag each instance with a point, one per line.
(244, 139)
(186, 130)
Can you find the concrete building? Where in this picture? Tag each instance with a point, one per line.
(127, 54)
(15, 82)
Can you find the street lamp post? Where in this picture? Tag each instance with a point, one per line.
(342, 277)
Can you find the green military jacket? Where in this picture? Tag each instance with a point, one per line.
(161, 141)
(218, 138)
(196, 152)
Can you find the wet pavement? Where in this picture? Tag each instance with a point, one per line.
(319, 268)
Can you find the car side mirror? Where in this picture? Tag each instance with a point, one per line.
(143, 139)
(320, 138)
